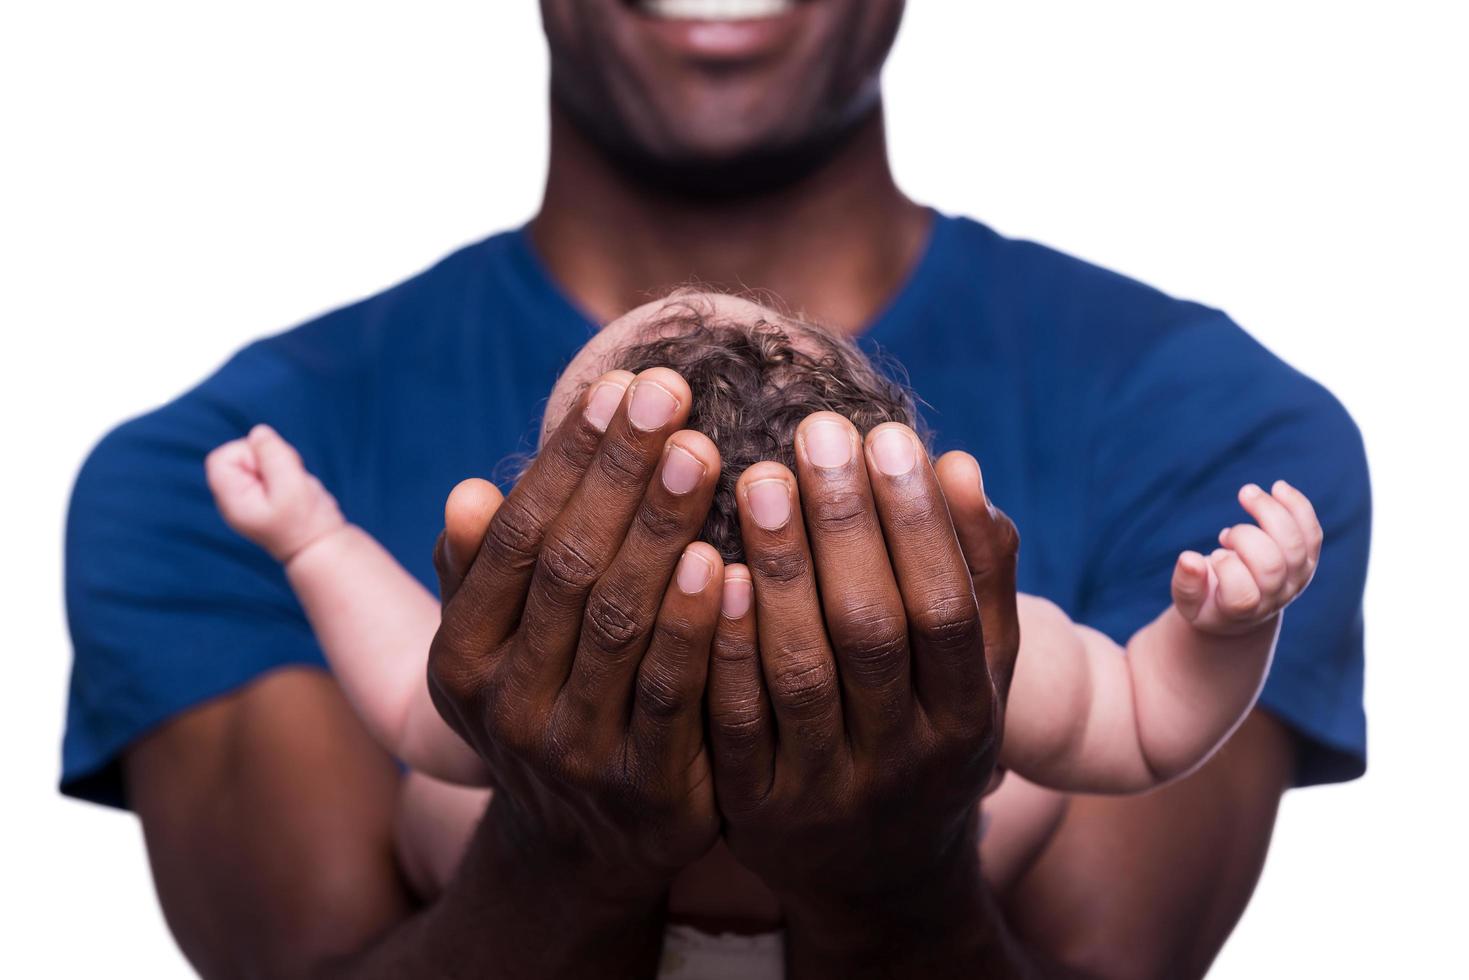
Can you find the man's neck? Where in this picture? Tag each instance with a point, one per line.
(834, 246)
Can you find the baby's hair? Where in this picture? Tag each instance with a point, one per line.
(753, 381)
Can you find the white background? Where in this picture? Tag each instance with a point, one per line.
(181, 177)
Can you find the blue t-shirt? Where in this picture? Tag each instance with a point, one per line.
(1114, 424)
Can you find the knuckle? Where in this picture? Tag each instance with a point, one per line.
(661, 693)
(1005, 541)
(916, 518)
(450, 672)
(804, 684)
(733, 650)
(565, 568)
(513, 537)
(623, 464)
(572, 450)
(659, 522)
(782, 566)
(1242, 602)
(612, 624)
(838, 514)
(948, 622)
(873, 641)
(675, 633)
(1273, 566)
(738, 726)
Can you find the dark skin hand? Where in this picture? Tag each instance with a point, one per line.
(848, 766)
(268, 817)
(585, 697)
(855, 710)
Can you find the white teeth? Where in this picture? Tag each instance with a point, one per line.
(715, 9)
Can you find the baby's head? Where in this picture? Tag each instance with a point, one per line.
(754, 374)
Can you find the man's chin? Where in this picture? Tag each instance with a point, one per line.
(725, 165)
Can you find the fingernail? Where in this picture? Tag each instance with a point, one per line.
(1251, 491)
(828, 444)
(736, 600)
(682, 471)
(770, 503)
(651, 407)
(602, 404)
(693, 573)
(894, 452)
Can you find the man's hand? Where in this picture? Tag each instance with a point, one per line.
(855, 705)
(574, 647)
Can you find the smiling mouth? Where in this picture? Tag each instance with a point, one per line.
(714, 10)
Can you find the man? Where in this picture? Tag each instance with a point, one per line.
(1112, 423)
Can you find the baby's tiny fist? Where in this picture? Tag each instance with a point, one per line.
(265, 493)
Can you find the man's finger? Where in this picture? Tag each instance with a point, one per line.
(491, 595)
(588, 534)
(990, 546)
(950, 676)
(796, 659)
(667, 721)
(741, 727)
(467, 515)
(624, 604)
(864, 610)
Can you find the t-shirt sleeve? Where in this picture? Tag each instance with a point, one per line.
(1204, 411)
(166, 605)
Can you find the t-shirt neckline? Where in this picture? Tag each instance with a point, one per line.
(578, 323)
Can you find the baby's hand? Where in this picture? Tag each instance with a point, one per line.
(1258, 570)
(265, 493)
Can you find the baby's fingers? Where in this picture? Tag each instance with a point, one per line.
(1238, 597)
(1305, 518)
(1265, 560)
(279, 463)
(1276, 520)
(234, 478)
(1191, 584)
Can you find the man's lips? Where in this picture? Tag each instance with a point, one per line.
(720, 30)
(714, 10)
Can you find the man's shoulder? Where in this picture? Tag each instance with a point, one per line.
(468, 285)
(1050, 290)
(333, 361)
(1118, 332)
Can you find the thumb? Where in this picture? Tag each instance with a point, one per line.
(467, 515)
(1190, 584)
(990, 545)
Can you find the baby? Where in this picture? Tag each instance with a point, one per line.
(1084, 714)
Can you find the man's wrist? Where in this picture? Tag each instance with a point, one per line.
(568, 873)
(938, 920)
(556, 911)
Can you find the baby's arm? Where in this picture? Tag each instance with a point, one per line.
(1084, 716)
(372, 619)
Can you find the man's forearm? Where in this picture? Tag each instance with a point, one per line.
(515, 910)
